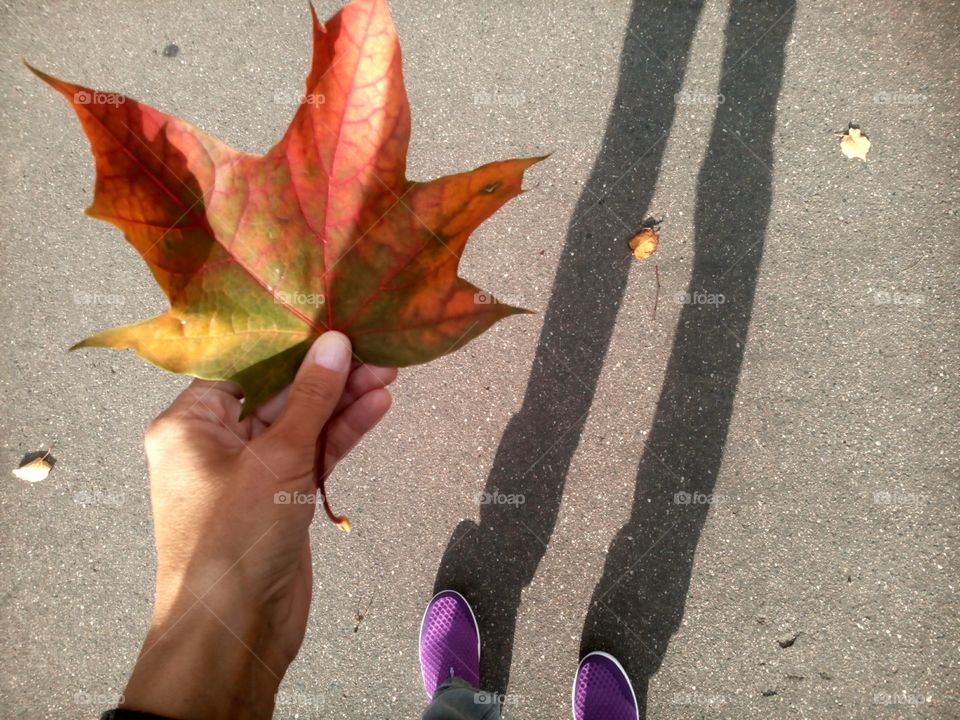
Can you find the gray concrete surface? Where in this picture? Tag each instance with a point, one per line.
(816, 408)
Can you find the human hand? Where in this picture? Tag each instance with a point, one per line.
(234, 572)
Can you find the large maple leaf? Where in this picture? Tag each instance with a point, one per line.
(260, 254)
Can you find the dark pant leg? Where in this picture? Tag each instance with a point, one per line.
(457, 699)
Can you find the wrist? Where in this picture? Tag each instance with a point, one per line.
(204, 659)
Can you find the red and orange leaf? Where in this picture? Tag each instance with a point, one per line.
(260, 254)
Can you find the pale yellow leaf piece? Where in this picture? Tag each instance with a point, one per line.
(855, 144)
(35, 470)
(644, 243)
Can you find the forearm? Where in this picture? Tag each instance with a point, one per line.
(234, 567)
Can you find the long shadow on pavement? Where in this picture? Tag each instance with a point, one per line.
(491, 562)
(639, 601)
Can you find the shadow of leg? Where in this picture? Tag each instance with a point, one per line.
(639, 601)
(491, 562)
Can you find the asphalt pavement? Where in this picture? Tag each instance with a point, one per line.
(738, 459)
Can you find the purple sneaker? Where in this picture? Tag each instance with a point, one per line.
(449, 642)
(602, 690)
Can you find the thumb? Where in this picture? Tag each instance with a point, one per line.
(315, 392)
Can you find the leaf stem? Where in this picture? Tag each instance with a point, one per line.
(340, 521)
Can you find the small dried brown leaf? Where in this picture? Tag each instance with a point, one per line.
(35, 470)
(854, 144)
(644, 243)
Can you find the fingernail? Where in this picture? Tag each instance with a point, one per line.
(332, 351)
